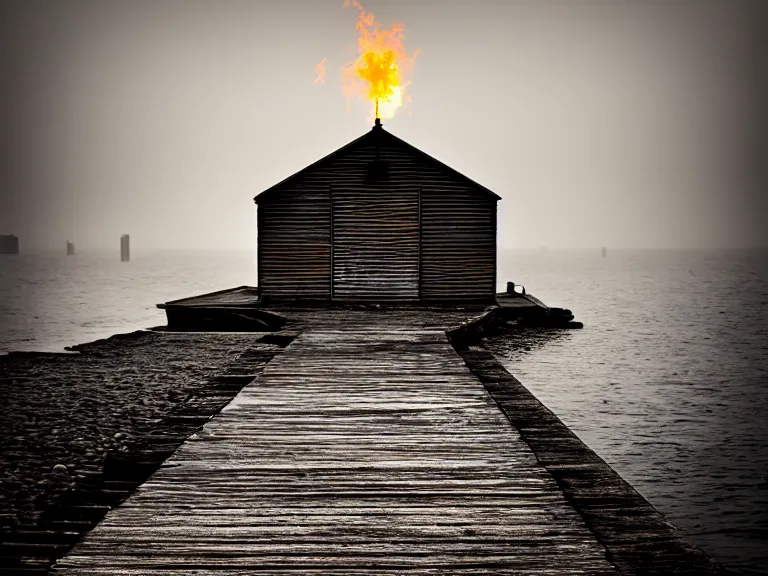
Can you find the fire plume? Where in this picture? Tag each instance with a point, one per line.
(381, 72)
(320, 71)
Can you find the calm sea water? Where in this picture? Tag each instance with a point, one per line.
(668, 381)
(50, 300)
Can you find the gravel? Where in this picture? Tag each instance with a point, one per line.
(62, 413)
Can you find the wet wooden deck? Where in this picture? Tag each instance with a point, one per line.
(360, 450)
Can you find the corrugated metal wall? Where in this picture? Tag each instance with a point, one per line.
(375, 251)
(457, 242)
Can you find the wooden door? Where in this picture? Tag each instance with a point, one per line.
(375, 243)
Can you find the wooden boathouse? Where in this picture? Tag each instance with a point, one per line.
(377, 220)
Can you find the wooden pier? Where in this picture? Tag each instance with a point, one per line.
(368, 447)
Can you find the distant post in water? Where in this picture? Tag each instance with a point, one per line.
(125, 248)
(9, 244)
(605, 252)
(70, 248)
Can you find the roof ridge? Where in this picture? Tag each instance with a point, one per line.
(377, 132)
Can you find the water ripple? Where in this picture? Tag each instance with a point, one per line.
(667, 381)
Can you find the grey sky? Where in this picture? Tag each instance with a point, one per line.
(618, 123)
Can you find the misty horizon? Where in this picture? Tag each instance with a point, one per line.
(141, 250)
(625, 125)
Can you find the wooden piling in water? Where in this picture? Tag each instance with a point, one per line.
(125, 248)
(70, 248)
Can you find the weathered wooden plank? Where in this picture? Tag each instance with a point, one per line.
(354, 452)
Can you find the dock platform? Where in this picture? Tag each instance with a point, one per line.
(371, 446)
(242, 309)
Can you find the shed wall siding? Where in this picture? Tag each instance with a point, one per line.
(458, 235)
(458, 246)
(294, 256)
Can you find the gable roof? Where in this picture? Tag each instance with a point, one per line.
(376, 136)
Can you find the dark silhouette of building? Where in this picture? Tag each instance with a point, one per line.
(377, 220)
(9, 244)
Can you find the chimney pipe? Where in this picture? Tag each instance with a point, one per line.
(377, 123)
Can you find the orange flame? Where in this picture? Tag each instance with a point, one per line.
(320, 71)
(382, 69)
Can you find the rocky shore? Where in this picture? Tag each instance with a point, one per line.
(67, 416)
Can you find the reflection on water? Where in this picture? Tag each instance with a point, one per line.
(668, 381)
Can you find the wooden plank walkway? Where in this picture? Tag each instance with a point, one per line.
(359, 450)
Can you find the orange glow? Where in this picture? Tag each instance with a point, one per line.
(381, 72)
(320, 71)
